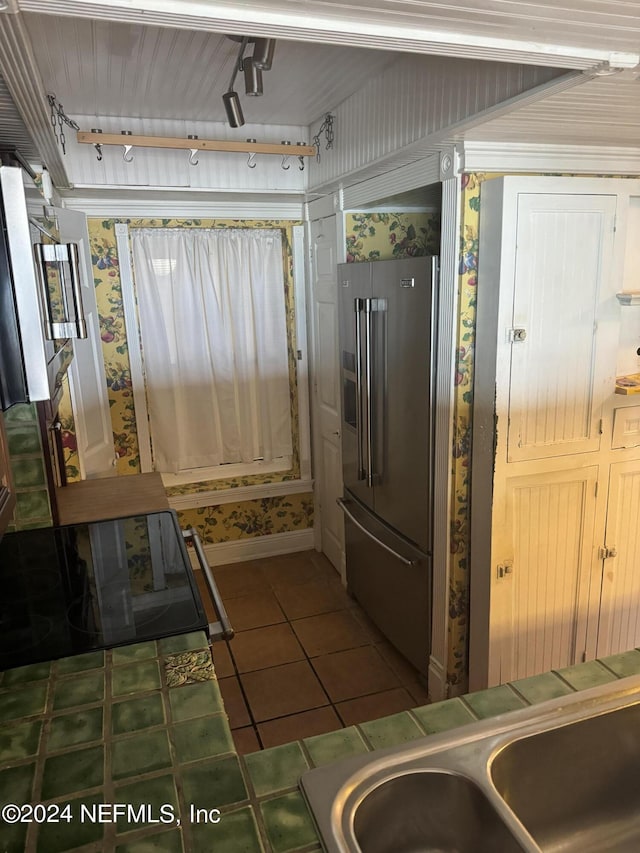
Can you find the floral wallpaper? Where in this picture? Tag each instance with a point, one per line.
(106, 268)
(385, 236)
(260, 517)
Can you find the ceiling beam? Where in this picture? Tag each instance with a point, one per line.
(280, 20)
(20, 71)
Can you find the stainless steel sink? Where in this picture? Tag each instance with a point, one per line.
(449, 810)
(562, 775)
(577, 787)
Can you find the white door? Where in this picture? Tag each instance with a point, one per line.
(619, 628)
(87, 378)
(559, 378)
(326, 388)
(549, 578)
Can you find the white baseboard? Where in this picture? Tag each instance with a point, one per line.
(255, 547)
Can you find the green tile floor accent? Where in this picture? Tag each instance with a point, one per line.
(539, 688)
(24, 674)
(22, 702)
(442, 716)
(133, 715)
(140, 753)
(58, 837)
(195, 700)
(136, 652)
(288, 823)
(236, 833)
(81, 663)
(584, 675)
(73, 772)
(276, 769)
(212, 784)
(135, 678)
(494, 701)
(624, 664)
(324, 749)
(154, 793)
(204, 737)
(165, 842)
(391, 731)
(183, 643)
(73, 729)
(20, 740)
(78, 690)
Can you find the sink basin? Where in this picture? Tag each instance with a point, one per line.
(577, 787)
(430, 810)
(560, 776)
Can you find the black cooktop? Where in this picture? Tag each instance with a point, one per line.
(74, 589)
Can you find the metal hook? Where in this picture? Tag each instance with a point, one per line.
(126, 155)
(193, 152)
(98, 145)
(301, 158)
(251, 159)
(286, 156)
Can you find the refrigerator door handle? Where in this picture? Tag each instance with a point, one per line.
(358, 304)
(368, 368)
(343, 506)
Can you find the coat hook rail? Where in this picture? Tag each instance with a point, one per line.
(203, 144)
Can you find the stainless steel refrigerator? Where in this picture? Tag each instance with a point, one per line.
(387, 356)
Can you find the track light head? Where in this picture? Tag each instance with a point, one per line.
(233, 109)
(263, 51)
(252, 78)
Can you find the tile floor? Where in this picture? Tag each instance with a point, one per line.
(305, 659)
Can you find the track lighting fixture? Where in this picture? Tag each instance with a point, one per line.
(252, 66)
(263, 50)
(252, 77)
(230, 98)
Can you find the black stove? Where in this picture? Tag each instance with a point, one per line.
(74, 589)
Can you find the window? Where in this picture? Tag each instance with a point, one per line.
(213, 334)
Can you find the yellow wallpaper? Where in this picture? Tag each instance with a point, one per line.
(106, 267)
(385, 236)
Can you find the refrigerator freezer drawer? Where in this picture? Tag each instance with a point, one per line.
(391, 580)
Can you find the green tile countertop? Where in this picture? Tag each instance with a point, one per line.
(130, 751)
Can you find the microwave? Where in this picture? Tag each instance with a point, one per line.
(40, 297)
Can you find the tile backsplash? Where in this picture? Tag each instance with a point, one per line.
(33, 508)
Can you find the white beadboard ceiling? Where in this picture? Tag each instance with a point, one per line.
(119, 69)
(169, 59)
(13, 133)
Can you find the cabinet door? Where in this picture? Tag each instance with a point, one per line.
(550, 570)
(563, 366)
(619, 626)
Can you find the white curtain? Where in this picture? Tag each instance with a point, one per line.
(213, 331)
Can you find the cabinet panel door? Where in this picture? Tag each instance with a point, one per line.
(619, 627)
(542, 602)
(564, 368)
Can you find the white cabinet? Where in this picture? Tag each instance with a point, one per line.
(552, 502)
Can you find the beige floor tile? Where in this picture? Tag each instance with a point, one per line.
(319, 595)
(283, 690)
(234, 703)
(298, 726)
(246, 740)
(260, 648)
(352, 673)
(222, 662)
(374, 706)
(254, 611)
(330, 632)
